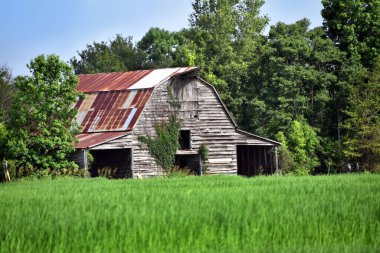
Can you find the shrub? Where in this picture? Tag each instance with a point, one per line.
(203, 152)
(176, 171)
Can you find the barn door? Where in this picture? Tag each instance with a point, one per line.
(254, 160)
(112, 163)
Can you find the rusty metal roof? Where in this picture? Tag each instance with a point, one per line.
(92, 139)
(141, 79)
(111, 110)
(114, 101)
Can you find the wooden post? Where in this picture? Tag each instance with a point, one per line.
(6, 172)
(276, 158)
(85, 159)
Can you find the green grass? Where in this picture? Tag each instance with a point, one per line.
(195, 214)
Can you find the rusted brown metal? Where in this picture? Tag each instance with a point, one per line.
(109, 112)
(110, 81)
(91, 139)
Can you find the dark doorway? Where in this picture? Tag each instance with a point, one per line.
(191, 162)
(112, 163)
(254, 160)
(184, 140)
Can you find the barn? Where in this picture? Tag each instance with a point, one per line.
(120, 107)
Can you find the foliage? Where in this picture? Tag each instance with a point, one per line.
(164, 147)
(175, 172)
(93, 215)
(41, 129)
(203, 152)
(362, 142)
(90, 159)
(160, 46)
(301, 141)
(107, 172)
(226, 35)
(3, 141)
(285, 160)
(354, 25)
(117, 55)
(295, 78)
(7, 91)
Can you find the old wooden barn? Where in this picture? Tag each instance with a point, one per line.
(119, 107)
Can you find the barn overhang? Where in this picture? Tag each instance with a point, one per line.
(90, 140)
(267, 141)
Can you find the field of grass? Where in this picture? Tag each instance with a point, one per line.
(194, 214)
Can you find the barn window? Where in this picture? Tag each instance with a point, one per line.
(184, 139)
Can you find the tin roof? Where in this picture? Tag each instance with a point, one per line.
(141, 79)
(92, 139)
(114, 101)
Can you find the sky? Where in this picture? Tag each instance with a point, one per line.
(63, 27)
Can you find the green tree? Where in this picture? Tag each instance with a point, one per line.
(354, 25)
(160, 47)
(132, 57)
(362, 140)
(97, 58)
(227, 35)
(7, 91)
(41, 129)
(119, 54)
(295, 77)
(302, 142)
(3, 141)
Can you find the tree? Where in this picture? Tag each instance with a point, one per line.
(362, 140)
(295, 76)
(119, 54)
(97, 58)
(132, 57)
(301, 141)
(7, 91)
(3, 141)
(41, 129)
(227, 35)
(160, 47)
(354, 26)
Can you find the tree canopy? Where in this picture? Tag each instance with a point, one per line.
(354, 25)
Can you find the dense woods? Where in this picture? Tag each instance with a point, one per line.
(317, 90)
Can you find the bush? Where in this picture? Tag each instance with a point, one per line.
(203, 152)
(107, 172)
(176, 171)
(298, 150)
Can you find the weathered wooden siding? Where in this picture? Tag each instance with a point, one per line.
(202, 112)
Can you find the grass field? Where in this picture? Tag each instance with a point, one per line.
(195, 214)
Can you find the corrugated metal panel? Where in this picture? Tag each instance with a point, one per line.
(92, 139)
(141, 79)
(110, 81)
(108, 111)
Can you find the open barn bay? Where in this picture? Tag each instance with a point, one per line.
(193, 214)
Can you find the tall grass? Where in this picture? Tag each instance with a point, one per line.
(193, 214)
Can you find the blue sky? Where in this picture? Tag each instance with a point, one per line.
(29, 28)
